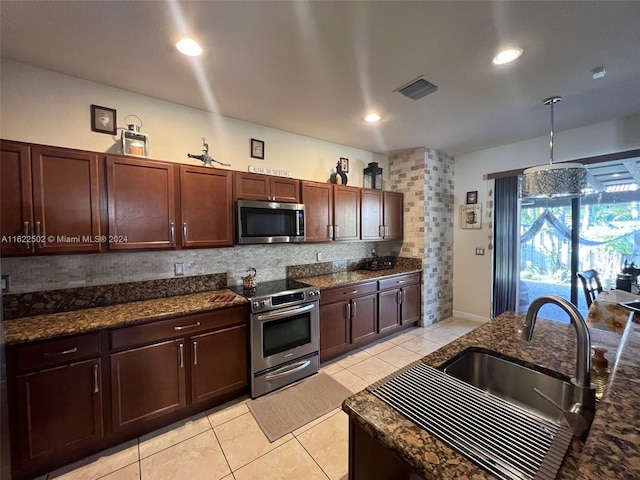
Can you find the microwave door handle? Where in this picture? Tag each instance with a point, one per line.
(286, 312)
(283, 372)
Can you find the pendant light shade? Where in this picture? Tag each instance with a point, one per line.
(554, 180)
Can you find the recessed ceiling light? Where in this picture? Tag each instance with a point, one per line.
(372, 118)
(189, 47)
(506, 56)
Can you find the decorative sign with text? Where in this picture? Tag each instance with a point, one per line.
(270, 171)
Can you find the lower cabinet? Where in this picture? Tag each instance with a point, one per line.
(361, 313)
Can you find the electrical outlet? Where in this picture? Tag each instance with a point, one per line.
(179, 268)
(479, 251)
(415, 252)
(6, 283)
(319, 256)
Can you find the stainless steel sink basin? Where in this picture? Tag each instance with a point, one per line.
(514, 382)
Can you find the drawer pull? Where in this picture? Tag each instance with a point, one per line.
(96, 389)
(401, 281)
(350, 293)
(64, 352)
(184, 327)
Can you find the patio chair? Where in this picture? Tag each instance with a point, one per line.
(590, 284)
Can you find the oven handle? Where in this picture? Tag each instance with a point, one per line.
(286, 312)
(287, 370)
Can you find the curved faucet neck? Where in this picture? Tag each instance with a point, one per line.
(583, 353)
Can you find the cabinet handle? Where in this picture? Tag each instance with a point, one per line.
(404, 296)
(399, 297)
(184, 233)
(26, 234)
(354, 309)
(96, 388)
(37, 233)
(386, 230)
(183, 327)
(337, 230)
(350, 293)
(181, 348)
(330, 231)
(195, 353)
(381, 230)
(64, 352)
(172, 231)
(348, 310)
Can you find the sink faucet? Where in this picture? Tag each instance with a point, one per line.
(584, 396)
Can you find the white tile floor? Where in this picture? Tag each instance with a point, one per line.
(227, 443)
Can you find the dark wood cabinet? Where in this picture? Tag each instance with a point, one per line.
(147, 382)
(253, 186)
(382, 215)
(399, 302)
(228, 348)
(318, 206)
(52, 193)
(141, 204)
(346, 212)
(206, 207)
(364, 316)
(334, 329)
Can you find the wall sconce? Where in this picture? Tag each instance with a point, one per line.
(373, 176)
(133, 141)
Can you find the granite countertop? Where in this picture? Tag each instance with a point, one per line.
(345, 278)
(612, 449)
(42, 327)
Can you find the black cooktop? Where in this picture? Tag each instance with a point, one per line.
(268, 289)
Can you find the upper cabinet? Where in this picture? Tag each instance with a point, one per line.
(206, 207)
(141, 204)
(346, 212)
(318, 211)
(50, 200)
(382, 215)
(253, 186)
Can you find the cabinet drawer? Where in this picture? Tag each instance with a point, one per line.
(345, 293)
(399, 281)
(53, 352)
(146, 333)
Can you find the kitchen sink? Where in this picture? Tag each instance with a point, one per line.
(514, 382)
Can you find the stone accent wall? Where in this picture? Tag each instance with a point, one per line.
(426, 179)
(53, 272)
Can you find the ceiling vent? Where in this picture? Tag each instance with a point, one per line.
(416, 89)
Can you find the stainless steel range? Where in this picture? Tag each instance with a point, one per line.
(284, 333)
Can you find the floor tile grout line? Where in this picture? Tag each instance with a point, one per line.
(263, 454)
(314, 459)
(319, 423)
(222, 451)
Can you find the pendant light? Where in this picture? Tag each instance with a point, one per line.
(554, 180)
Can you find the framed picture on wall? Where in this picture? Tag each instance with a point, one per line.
(257, 149)
(103, 120)
(344, 164)
(471, 217)
(472, 197)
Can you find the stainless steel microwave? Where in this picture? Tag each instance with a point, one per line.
(269, 222)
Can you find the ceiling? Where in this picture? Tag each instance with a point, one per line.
(315, 68)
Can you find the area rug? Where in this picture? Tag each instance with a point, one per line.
(283, 411)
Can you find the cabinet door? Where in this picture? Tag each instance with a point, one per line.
(66, 200)
(346, 212)
(59, 409)
(147, 382)
(206, 206)
(141, 204)
(318, 206)
(16, 209)
(389, 310)
(410, 303)
(334, 329)
(219, 363)
(251, 186)
(285, 189)
(364, 315)
(393, 215)
(371, 214)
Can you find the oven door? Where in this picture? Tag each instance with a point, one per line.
(282, 335)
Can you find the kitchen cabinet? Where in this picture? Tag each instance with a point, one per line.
(163, 367)
(206, 207)
(348, 318)
(51, 193)
(254, 186)
(399, 302)
(57, 399)
(332, 212)
(141, 203)
(382, 215)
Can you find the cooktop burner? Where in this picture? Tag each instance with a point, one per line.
(268, 289)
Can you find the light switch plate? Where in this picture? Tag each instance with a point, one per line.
(319, 256)
(6, 283)
(179, 267)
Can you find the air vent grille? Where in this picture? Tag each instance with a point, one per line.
(417, 89)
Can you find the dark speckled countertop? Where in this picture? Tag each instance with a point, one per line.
(42, 327)
(345, 278)
(612, 449)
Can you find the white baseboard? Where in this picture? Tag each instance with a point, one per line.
(470, 316)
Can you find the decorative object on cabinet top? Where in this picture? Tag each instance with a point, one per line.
(54, 301)
(133, 141)
(205, 158)
(43, 327)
